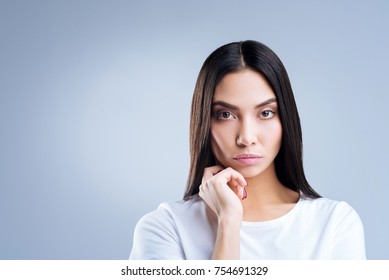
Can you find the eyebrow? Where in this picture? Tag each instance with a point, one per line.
(233, 107)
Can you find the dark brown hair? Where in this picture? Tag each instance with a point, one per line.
(257, 57)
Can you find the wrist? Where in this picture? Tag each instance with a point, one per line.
(227, 245)
(229, 221)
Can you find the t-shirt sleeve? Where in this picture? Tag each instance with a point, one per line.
(156, 238)
(349, 240)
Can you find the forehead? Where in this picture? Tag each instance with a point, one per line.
(243, 86)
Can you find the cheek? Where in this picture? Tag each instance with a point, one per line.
(216, 140)
(274, 135)
(278, 135)
(219, 140)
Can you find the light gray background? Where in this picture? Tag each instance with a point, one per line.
(95, 99)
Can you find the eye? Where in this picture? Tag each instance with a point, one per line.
(267, 114)
(224, 115)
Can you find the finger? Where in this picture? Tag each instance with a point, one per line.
(242, 193)
(232, 174)
(236, 182)
(238, 189)
(211, 171)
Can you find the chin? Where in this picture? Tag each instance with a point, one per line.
(249, 172)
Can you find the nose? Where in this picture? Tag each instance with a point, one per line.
(247, 134)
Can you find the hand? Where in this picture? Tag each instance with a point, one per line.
(222, 190)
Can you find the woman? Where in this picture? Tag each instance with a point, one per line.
(247, 196)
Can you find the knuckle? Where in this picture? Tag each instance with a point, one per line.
(209, 183)
(229, 169)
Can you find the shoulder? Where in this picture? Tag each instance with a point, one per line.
(167, 217)
(343, 224)
(173, 211)
(334, 225)
(338, 213)
(180, 206)
(326, 205)
(159, 234)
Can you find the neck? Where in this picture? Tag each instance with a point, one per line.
(265, 187)
(267, 198)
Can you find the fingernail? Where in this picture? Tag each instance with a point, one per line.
(244, 194)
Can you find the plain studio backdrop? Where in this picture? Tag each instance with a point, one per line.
(95, 99)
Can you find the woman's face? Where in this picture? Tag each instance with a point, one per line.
(246, 131)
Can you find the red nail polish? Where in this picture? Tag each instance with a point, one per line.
(244, 194)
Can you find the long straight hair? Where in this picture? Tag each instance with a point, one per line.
(257, 57)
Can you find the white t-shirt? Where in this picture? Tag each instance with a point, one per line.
(314, 229)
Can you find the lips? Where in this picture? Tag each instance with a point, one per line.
(248, 159)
